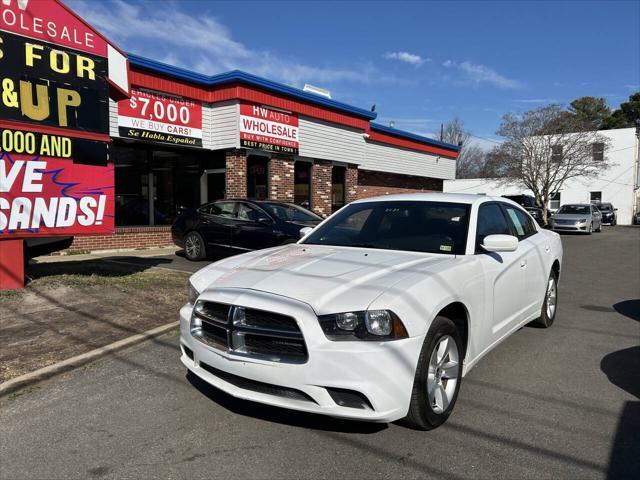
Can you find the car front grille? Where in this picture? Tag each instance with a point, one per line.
(247, 331)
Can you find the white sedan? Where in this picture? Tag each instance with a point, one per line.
(378, 312)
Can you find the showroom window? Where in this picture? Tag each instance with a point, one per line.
(338, 175)
(153, 185)
(554, 201)
(302, 184)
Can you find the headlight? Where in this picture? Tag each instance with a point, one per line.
(582, 220)
(373, 325)
(192, 294)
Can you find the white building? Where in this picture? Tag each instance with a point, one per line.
(618, 185)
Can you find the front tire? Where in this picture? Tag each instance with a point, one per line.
(550, 304)
(194, 247)
(438, 376)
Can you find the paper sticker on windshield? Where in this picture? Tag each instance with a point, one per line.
(455, 219)
(445, 248)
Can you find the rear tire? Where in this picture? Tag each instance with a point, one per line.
(194, 247)
(550, 304)
(438, 376)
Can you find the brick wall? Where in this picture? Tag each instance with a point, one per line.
(371, 184)
(281, 179)
(125, 238)
(351, 183)
(321, 187)
(236, 174)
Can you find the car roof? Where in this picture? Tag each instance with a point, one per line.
(464, 198)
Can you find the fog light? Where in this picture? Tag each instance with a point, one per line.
(378, 322)
(347, 321)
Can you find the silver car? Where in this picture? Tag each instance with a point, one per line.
(577, 217)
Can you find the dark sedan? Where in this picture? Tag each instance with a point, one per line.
(239, 225)
(609, 215)
(529, 204)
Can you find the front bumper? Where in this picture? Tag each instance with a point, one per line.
(578, 227)
(383, 372)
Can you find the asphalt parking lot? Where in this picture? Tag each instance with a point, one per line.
(556, 403)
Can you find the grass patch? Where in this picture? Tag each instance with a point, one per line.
(98, 273)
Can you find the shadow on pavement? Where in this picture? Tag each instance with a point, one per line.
(624, 460)
(629, 308)
(622, 368)
(281, 415)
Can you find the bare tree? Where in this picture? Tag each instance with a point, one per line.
(471, 159)
(544, 148)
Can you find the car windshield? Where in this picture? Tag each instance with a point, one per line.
(604, 208)
(290, 212)
(416, 226)
(577, 209)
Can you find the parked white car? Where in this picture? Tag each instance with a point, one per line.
(378, 312)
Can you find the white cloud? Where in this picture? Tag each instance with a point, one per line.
(406, 57)
(204, 44)
(632, 87)
(477, 73)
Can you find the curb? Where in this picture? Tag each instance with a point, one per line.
(41, 374)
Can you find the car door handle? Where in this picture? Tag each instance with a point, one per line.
(523, 263)
(547, 248)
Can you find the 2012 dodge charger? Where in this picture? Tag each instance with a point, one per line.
(378, 312)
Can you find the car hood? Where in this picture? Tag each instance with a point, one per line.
(570, 216)
(329, 279)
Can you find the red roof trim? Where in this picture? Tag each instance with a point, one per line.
(410, 144)
(243, 92)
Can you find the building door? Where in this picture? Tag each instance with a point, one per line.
(212, 185)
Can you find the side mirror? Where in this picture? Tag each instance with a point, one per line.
(616, 209)
(305, 231)
(499, 243)
(264, 221)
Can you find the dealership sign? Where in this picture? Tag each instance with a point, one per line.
(56, 75)
(269, 129)
(160, 118)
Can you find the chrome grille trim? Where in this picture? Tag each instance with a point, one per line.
(228, 334)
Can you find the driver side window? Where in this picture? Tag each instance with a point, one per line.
(249, 213)
(491, 221)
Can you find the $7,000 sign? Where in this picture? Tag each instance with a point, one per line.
(160, 118)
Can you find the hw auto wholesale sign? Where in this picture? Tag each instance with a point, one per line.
(265, 128)
(55, 178)
(160, 118)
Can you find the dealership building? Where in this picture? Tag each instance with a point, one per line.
(183, 139)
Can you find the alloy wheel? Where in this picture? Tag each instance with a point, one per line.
(192, 246)
(442, 377)
(552, 297)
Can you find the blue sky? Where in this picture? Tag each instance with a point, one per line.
(421, 63)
